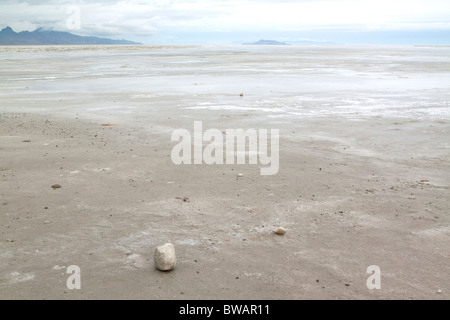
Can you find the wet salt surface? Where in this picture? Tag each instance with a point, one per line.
(294, 81)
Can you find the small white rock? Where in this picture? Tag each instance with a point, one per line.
(280, 231)
(165, 259)
(240, 175)
(58, 267)
(439, 291)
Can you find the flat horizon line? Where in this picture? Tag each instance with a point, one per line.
(224, 45)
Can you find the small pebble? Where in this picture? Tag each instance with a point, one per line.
(280, 231)
(56, 186)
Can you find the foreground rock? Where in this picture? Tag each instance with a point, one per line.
(165, 259)
(280, 231)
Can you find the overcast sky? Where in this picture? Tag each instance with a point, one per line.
(232, 21)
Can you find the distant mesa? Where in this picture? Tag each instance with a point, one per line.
(267, 43)
(49, 37)
(297, 42)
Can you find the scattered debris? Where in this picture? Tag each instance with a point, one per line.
(424, 181)
(165, 259)
(185, 199)
(56, 186)
(280, 231)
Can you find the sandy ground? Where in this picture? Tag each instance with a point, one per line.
(364, 173)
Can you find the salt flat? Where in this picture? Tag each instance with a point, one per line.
(363, 180)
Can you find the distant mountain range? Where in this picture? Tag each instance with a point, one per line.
(277, 43)
(48, 37)
(267, 43)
